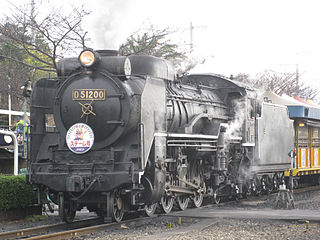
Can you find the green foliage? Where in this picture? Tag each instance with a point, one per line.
(18, 64)
(152, 42)
(15, 193)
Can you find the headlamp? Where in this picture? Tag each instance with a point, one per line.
(88, 58)
(7, 139)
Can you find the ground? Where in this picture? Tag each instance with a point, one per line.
(255, 218)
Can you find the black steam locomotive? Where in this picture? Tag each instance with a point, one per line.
(130, 134)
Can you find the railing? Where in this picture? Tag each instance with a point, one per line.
(23, 140)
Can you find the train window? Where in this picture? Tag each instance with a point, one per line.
(315, 132)
(50, 124)
(303, 131)
(315, 137)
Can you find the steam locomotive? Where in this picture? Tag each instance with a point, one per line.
(129, 135)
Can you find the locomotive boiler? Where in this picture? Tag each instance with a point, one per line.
(130, 134)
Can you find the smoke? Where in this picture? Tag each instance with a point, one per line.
(239, 109)
(190, 63)
(109, 23)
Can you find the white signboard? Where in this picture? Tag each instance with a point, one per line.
(80, 138)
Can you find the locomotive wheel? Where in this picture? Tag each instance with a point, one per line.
(268, 182)
(117, 208)
(216, 197)
(150, 209)
(196, 177)
(276, 182)
(167, 203)
(198, 200)
(183, 202)
(65, 212)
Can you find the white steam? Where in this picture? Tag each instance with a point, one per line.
(190, 63)
(235, 126)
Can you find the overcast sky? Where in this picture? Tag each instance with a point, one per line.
(235, 36)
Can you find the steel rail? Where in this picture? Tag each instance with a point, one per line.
(82, 231)
(23, 233)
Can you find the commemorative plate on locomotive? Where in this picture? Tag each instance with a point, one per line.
(80, 138)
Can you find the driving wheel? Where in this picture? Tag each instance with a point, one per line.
(117, 208)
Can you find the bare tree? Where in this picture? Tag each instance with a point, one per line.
(44, 39)
(279, 83)
(31, 43)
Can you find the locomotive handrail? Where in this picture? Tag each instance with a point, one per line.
(195, 136)
(141, 146)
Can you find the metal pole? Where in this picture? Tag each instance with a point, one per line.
(24, 124)
(191, 40)
(9, 105)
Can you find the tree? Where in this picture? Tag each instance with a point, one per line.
(12, 75)
(154, 42)
(279, 83)
(31, 44)
(44, 39)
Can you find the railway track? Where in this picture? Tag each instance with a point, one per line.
(58, 231)
(30, 232)
(78, 228)
(228, 202)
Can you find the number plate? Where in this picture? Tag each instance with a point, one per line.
(88, 94)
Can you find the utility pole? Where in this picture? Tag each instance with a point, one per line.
(191, 41)
(191, 28)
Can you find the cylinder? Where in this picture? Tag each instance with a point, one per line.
(223, 160)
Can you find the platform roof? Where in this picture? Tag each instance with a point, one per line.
(297, 109)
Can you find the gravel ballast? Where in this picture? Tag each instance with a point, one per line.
(168, 227)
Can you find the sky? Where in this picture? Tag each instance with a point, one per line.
(234, 36)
